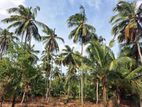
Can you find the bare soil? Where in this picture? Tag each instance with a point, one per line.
(56, 102)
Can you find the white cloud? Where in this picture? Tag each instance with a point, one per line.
(91, 3)
(95, 3)
(139, 2)
(5, 4)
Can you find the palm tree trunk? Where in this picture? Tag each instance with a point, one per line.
(118, 96)
(140, 100)
(2, 99)
(47, 88)
(0, 55)
(30, 43)
(79, 90)
(97, 91)
(82, 85)
(50, 80)
(104, 92)
(23, 97)
(14, 99)
(68, 91)
(139, 51)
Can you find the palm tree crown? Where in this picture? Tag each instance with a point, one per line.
(6, 38)
(82, 31)
(23, 19)
(50, 40)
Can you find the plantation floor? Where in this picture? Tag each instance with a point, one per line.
(57, 103)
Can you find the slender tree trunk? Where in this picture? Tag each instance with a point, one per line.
(140, 54)
(50, 81)
(104, 92)
(30, 43)
(117, 99)
(82, 93)
(47, 88)
(0, 55)
(23, 97)
(2, 99)
(49, 94)
(82, 85)
(118, 96)
(14, 99)
(68, 91)
(139, 51)
(97, 91)
(22, 38)
(79, 90)
(140, 100)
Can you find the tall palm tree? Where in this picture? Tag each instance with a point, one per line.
(72, 60)
(6, 38)
(46, 66)
(50, 40)
(51, 45)
(82, 33)
(23, 20)
(127, 24)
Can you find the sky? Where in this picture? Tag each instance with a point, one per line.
(55, 13)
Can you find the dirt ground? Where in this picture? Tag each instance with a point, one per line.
(58, 103)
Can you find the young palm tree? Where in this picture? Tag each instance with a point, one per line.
(99, 54)
(127, 24)
(124, 76)
(6, 38)
(82, 33)
(71, 78)
(23, 19)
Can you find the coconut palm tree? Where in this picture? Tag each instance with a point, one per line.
(82, 33)
(23, 20)
(6, 38)
(50, 40)
(67, 56)
(99, 54)
(127, 24)
(46, 66)
(124, 76)
(51, 45)
(72, 60)
(71, 78)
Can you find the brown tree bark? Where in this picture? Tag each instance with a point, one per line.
(97, 91)
(82, 84)
(139, 51)
(104, 92)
